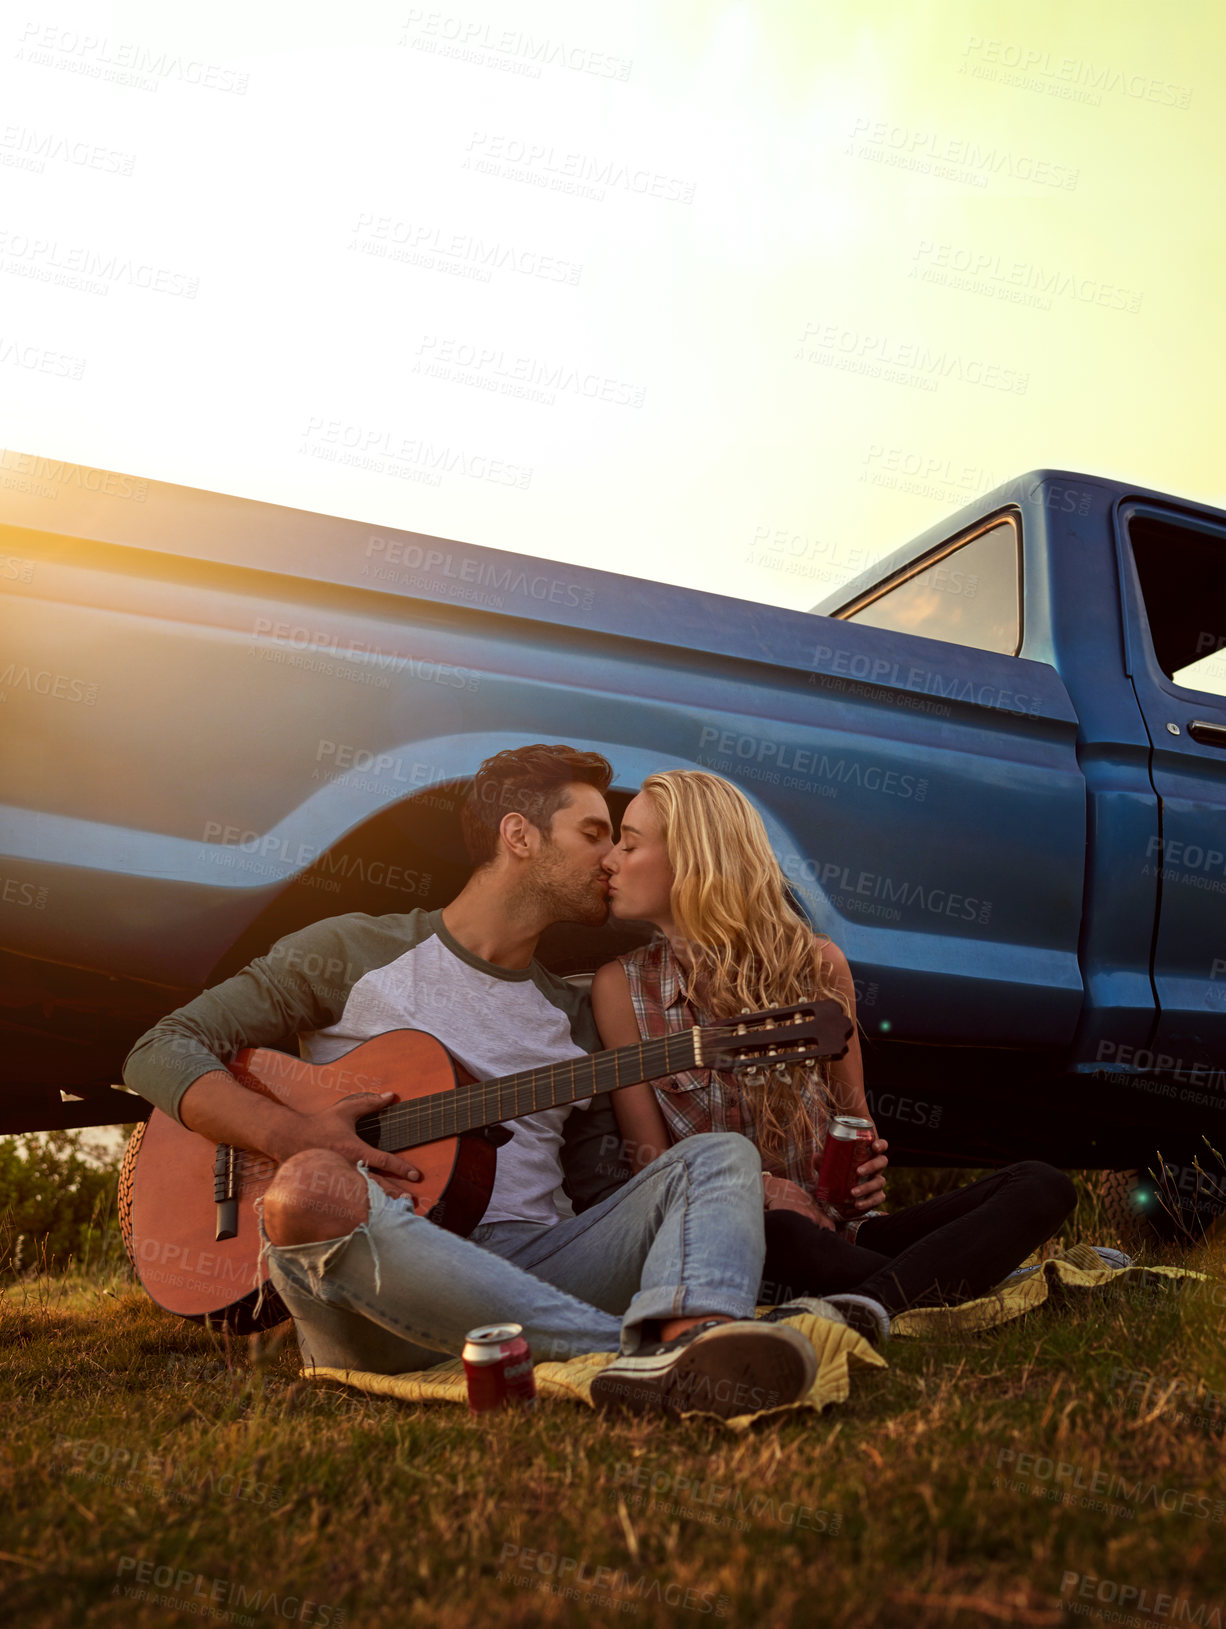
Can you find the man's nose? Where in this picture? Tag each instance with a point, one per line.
(609, 859)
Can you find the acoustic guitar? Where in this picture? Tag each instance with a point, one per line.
(187, 1206)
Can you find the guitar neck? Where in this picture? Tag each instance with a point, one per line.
(487, 1102)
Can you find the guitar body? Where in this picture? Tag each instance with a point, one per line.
(171, 1226)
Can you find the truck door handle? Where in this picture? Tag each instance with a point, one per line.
(1209, 735)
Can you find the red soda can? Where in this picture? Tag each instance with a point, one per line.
(844, 1151)
(498, 1367)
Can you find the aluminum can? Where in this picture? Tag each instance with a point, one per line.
(498, 1368)
(844, 1151)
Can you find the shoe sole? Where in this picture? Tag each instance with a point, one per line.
(730, 1371)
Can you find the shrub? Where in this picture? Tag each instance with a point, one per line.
(57, 1203)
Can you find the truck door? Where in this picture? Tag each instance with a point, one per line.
(966, 904)
(1173, 572)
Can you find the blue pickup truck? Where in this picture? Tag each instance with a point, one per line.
(993, 767)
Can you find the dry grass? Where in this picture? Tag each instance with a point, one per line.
(138, 1442)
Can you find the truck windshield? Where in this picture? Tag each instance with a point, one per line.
(969, 593)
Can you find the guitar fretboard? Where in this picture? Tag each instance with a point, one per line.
(486, 1102)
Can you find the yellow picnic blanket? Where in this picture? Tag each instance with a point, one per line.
(1077, 1268)
(839, 1350)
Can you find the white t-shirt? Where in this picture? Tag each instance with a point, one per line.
(495, 1021)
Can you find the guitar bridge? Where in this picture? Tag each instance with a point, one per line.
(225, 1191)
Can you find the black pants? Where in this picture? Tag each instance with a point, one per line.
(949, 1249)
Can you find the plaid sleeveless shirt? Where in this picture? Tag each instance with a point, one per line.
(701, 1099)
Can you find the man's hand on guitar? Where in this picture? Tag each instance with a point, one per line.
(335, 1128)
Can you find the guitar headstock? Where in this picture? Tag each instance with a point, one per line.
(780, 1035)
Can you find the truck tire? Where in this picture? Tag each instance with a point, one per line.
(1185, 1209)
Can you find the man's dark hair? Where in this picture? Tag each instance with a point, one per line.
(530, 781)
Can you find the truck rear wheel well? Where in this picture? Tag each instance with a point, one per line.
(406, 857)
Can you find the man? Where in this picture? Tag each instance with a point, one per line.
(668, 1264)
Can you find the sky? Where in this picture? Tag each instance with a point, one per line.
(734, 296)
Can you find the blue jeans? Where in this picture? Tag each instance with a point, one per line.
(682, 1238)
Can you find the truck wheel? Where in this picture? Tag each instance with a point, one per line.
(1174, 1203)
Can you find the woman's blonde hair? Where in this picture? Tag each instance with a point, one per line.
(749, 947)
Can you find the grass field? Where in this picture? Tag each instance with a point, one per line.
(1065, 1466)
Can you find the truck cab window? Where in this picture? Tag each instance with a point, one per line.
(968, 594)
(1182, 572)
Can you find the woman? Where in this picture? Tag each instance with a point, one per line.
(694, 860)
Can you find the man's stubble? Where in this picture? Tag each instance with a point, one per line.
(554, 888)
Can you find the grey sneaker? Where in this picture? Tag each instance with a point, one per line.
(718, 1368)
(1112, 1258)
(859, 1312)
(814, 1305)
(866, 1316)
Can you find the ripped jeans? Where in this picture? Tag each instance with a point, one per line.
(683, 1237)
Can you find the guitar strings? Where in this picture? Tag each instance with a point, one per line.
(461, 1108)
(464, 1107)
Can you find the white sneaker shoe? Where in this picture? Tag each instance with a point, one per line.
(718, 1368)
